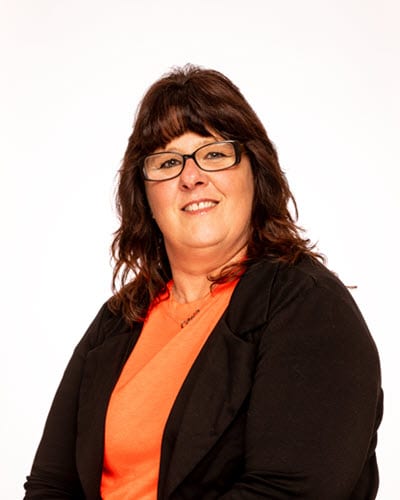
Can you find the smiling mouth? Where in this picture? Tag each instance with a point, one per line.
(201, 205)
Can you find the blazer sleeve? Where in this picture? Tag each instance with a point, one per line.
(54, 475)
(315, 404)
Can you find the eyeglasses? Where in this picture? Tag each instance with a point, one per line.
(210, 158)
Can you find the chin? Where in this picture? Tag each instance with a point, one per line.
(204, 244)
(203, 239)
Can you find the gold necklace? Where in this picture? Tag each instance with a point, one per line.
(177, 309)
(189, 319)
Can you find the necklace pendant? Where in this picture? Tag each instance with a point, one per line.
(189, 319)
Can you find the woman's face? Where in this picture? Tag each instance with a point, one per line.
(203, 211)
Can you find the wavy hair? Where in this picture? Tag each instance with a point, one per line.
(202, 101)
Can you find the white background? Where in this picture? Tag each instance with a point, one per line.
(322, 75)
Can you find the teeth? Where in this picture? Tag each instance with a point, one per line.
(199, 206)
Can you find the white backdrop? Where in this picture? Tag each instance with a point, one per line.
(324, 78)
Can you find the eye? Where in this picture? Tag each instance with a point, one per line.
(217, 154)
(211, 155)
(169, 163)
(163, 161)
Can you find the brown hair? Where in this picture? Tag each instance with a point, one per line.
(201, 101)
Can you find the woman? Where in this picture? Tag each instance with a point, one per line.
(229, 363)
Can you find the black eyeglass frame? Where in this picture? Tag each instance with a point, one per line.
(238, 147)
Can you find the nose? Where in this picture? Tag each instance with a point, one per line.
(192, 176)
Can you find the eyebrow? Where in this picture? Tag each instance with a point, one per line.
(207, 140)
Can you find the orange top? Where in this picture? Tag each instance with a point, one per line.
(172, 337)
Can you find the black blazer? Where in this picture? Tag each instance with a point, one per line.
(283, 401)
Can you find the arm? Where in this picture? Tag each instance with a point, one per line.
(54, 474)
(314, 406)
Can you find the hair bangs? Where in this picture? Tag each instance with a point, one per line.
(169, 121)
(176, 111)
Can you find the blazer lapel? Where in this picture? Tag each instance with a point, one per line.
(102, 368)
(214, 390)
(217, 385)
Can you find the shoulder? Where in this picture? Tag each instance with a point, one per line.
(107, 325)
(303, 274)
(271, 288)
(307, 279)
(290, 280)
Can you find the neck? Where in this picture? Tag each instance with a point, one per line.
(191, 275)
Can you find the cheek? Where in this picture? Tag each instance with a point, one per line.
(154, 199)
(160, 202)
(246, 193)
